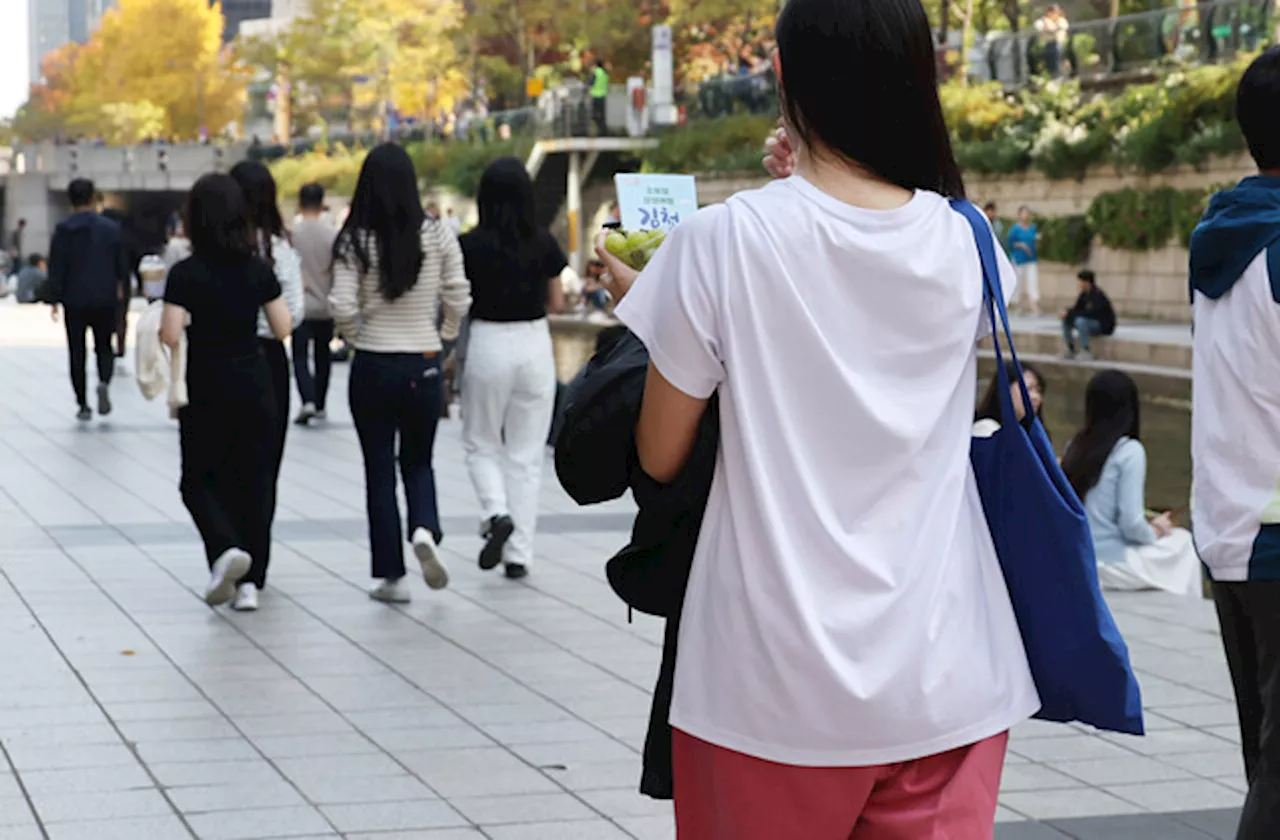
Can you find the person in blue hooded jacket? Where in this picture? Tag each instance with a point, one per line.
(1235, 433)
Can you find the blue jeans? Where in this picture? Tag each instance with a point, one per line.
(1085, 328)
(397, 394)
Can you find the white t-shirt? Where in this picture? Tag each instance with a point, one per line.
(1235, 428)
(846, 607)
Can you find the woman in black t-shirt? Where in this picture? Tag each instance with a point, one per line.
(226, 429)
(509, 382)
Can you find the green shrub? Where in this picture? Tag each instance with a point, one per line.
(1002, 156)
(459, 166)
(1065, 239)
(727, 144)
(336, 171)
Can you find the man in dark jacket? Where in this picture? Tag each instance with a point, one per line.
(88, 277)
(1091, 316)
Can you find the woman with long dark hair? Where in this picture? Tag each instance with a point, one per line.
(509, 381)
(849, 662)
(216, 296)
(393, 268)
(1107, 465)
(988, 419)
(271, 243)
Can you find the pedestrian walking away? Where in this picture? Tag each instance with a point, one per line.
(227, 429)
(509, 380)
(88, 278)
(1235, 458)
(849, 661)
(393, 268)
(313, 237)
(272, 244)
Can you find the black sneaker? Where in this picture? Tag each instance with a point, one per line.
(516, 571)
(104, 399)
(84, 415)
(496, 535)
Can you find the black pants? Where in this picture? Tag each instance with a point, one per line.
(227, 476)
(598, 116)
(320, 333)
(278, 379)
(122, 327)
(102, 320)
(1250, 617)
(396, 394)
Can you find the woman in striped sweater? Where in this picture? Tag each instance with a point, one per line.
(393, 267)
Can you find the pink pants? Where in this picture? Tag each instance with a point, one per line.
(724, 795)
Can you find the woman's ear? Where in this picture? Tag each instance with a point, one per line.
(777, 65)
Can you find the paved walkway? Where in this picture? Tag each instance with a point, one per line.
(493, 710)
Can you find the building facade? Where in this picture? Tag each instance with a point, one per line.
(239, 11)
(55, 23)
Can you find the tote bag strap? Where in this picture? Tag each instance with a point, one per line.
(993, 298)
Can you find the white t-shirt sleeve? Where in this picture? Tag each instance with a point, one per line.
(675, 305)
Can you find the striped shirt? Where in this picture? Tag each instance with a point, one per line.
(371, 323)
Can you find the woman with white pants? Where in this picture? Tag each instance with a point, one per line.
(509, 381)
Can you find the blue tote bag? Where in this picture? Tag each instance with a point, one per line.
(1078, 659)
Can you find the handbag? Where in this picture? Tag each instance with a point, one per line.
(1078, 659)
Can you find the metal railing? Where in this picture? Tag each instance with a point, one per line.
(724, 95)
(1204, 33)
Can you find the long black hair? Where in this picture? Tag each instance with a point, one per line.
(508, 218)
(263, 207)
(217, 220)
(989, 405)
(860, 80)
(1111, 412)
(386, 206)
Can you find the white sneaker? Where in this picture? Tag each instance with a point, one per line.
(227, 571)
(305, 414)
(246, 598)
(391, 592)
(320, 415)
(433, 570)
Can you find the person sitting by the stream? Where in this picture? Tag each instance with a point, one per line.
(1092, 315)
(1106, 464)
(595, 294)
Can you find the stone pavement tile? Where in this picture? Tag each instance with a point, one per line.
(1018, 777)
(86, 779)
(1050, 804)
(1165, 797)
(22, 832)
(224, 749)
(107, 805)
(61, 736)
(437, 834)
(1209, 714)
(353, 790)
(1103, 772)
(182, 729)
(1141, 827)
(369, 765)
(1027, 831)
(500, 810)
(301, 746)
(1220, 825)
(393, 720)
(254, 823)
(402, 741)
(1168, 742)
(166, 710)
(548, 732)
(270, 726)
(1212, 764)
(193, 773)
(625, 803)
(477, 772)
(586, 830)
(649, 828)
(1078, 747)
(598, 775)
(26, 758)
(600, 748)
(393, 816)
(141, 828)
(201, 798)
(14, 810)
(499, 711)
